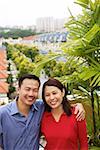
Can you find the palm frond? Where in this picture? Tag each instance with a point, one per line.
(42, 63)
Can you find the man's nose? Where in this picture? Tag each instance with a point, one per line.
(31, 93)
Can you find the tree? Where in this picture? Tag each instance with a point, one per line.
(10, 82)
(28, 51)
(84, 44)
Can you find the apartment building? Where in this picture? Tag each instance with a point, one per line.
(50, 24)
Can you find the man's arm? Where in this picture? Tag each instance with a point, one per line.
(1, 133)
(79, 111)
(1, 148)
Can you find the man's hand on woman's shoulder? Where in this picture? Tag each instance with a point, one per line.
(79, 111)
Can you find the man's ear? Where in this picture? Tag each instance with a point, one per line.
(17, 90)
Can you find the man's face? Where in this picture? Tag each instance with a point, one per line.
(28, 92)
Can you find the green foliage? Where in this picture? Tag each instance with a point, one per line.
(84, 39)
(10, 82)
(48, 58)
(91, 72)
(24, 64)
(29, 51)
(25, 67)
(57, 70)
(94, 148)
(15, 33)
(49, 68)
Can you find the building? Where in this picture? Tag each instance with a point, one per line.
(50, 24)
(3, 76)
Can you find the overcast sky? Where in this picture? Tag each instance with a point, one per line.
(25, 12)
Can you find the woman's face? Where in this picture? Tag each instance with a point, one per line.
(53, 96)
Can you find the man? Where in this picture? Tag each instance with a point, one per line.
(20, 119)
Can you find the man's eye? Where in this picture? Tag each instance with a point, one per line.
(35, 90)
(27, 89)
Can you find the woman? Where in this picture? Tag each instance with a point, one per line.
(59, 125)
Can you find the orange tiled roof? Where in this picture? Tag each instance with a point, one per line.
(29, 37)
(3, 67)
(3, 53)
(3, 87)
(2, 49)
(3, 60)
(3, 75)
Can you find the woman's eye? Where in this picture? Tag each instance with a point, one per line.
(47, 95)
(54, 93)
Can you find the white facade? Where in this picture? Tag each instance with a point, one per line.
(49, 24)
(3, 99)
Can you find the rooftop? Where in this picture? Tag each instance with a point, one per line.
(3, 87)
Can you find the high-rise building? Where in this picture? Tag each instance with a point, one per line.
(49, 24)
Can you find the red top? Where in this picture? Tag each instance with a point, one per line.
(64, 134)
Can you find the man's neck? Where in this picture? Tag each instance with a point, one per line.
(23, 109)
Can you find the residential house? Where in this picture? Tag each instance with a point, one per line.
(3, 76)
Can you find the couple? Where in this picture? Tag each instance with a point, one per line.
(20, 120)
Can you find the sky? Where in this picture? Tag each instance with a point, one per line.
(25, 12)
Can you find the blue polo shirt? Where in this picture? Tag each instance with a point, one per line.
(18, 132)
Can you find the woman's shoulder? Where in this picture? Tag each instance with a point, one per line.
(74, 116)
(73, 110)
(46, 114)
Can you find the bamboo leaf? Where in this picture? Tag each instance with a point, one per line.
(97, 82)
(95, 79)
(87, 74)
(41, 64)
(92, 6)
(91, 33)
(93, 61)
(84, 90)
(92, 50)
(83, 3)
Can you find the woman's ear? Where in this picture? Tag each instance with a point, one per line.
(63, 92)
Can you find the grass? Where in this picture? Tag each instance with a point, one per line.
(94, 148)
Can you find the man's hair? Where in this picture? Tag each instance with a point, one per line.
(28, 76)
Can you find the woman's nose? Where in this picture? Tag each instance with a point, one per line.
(51, 96)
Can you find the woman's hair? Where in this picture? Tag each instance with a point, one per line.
(59, 85)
